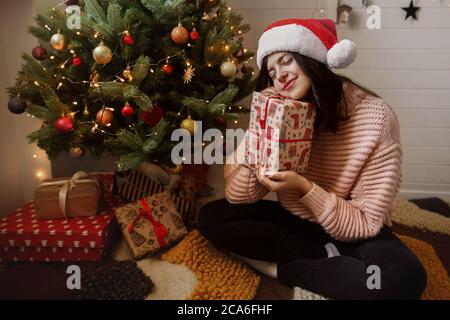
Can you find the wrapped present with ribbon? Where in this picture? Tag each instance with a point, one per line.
(151, 179)
(280, 134)
(77, 196)
(150, 224)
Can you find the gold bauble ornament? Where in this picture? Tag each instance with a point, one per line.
(127, 73)
(228, 69)
(177, 169)
(105, 116)
(76, 152)
(58, 41)
(102, 54)
(179, 34)
(189, 125)
(86, 111)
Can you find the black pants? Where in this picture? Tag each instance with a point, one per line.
(266, 231)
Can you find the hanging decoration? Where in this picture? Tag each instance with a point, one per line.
(58, 41)
(344, 13)
(105, 116)
(228, 69)
(102, 54)
(411, 11)
(179, 34)
(188, 74)
(39, 53)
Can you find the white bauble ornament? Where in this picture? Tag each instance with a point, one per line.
(228, 69)
(58, 41)
(102, 54)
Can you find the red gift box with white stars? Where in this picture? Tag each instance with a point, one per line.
(25, 238)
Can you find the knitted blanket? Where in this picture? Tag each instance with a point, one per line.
(194, 269)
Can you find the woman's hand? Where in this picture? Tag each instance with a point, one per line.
(270, 91)
(286, 181)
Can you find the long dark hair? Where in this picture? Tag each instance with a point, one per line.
(326, 90)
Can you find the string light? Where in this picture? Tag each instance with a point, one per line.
(39, 174)
(36, 83)
(78, 33)
(59, 85)
(52, 57)
(34, 156)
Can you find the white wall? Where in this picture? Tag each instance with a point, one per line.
(406, 62)
(17, 166)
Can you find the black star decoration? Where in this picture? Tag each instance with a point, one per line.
(411, 11)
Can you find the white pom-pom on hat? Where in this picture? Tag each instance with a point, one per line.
(342, 54)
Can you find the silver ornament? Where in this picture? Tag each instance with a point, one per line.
(102, 54)
(58, 41)
(228, 69)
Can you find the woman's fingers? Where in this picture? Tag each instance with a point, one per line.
(277, 176)
(269, 91)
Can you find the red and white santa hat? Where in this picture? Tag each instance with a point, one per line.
(314, 38)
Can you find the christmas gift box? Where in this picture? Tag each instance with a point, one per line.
(150, 224)
(24, 237)
(143, 183)
(280, 134)
(78, 196)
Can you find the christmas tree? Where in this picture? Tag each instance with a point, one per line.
(134, 71)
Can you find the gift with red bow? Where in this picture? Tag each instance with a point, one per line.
(150, 224)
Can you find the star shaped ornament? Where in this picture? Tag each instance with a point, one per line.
(411, 11)
(188, 74)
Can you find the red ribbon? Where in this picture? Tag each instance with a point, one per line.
(160, 230)
(262, 123)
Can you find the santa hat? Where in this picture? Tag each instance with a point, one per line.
(314, 38)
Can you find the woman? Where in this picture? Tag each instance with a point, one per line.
(329, 231)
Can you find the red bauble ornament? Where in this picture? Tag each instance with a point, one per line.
(64, 125)
(153, 117)
(244, 69)
(221, 121)
(127, 110)
(128, 39)
(167, 68)
(39, 53)
(194, 35)
(77, 61)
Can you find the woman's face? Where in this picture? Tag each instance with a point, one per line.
(288, 79)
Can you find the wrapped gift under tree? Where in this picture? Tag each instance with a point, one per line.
(23, 237)
(76, 196)
(280, 134)
(151, 179)
(150, 224)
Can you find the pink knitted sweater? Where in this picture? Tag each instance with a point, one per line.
(355, 173)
